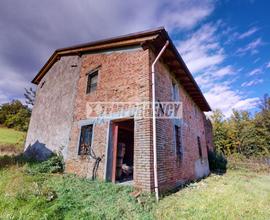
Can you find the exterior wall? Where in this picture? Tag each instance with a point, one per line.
(124, 76)
(173, 170)
(52, 113)
(61, 109)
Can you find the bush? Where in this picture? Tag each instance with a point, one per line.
(15, 115)
(55, 164)
(217, 162)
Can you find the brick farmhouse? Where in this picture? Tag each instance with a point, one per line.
(77, 82)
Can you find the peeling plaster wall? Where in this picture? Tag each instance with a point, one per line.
(52, 113)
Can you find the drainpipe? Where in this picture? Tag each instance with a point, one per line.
(154, 118)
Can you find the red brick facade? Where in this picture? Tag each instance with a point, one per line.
(174, 170)
(124, 75)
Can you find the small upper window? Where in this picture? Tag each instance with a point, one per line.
(175, 91)
(199, 147)
(85, 140)
(92, 82)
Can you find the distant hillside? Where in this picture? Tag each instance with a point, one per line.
(11, 141)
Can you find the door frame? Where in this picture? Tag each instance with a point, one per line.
(112, 146)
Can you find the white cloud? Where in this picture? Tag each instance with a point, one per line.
(268, 65)
(224, 71)
(224, 98)
(189, 16)
(251, 47)
(252, 82)
(255, 72)
(248, 33)
(205, 57)
(201, 49)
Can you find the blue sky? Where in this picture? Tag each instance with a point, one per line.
(224, 43)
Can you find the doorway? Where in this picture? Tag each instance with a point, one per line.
(123, 151)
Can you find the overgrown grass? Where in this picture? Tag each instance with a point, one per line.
(234, 195)
(11, 141)
(238, 194)
(26, 192)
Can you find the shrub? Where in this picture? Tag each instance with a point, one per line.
(217, 162)
(15, 115)
(55, 164)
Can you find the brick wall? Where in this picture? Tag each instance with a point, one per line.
(172, 170)
(123, 77)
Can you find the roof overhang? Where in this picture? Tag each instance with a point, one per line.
(154, 39)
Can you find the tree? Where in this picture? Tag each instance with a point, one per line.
(220, 132)
(262, 125)
(15, 115)
(30, 96)
(243, 133)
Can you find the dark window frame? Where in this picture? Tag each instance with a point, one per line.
(85, 148)
(175, 91)
(91, 87)
(199, 147)
(178, 141)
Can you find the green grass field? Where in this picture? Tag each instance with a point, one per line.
(234, 195)
(11, 140)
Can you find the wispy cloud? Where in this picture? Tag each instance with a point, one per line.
(213, 75)
(255, 72)
(268, 65)
(248, 33)
(202, 49)
(252, 82)
(251, 47)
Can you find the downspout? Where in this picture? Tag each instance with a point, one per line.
(154, 119)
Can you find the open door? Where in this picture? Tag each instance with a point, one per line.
(123, 151)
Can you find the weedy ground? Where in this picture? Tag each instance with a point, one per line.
(35, 191)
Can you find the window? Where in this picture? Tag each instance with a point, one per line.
(92, 82)
(85, 140)
(178, 144)
(199, 147)
(175, 92)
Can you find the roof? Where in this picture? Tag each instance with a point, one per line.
(154, 39)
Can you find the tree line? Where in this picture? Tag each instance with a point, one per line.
(16, 115)
(243, 133)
